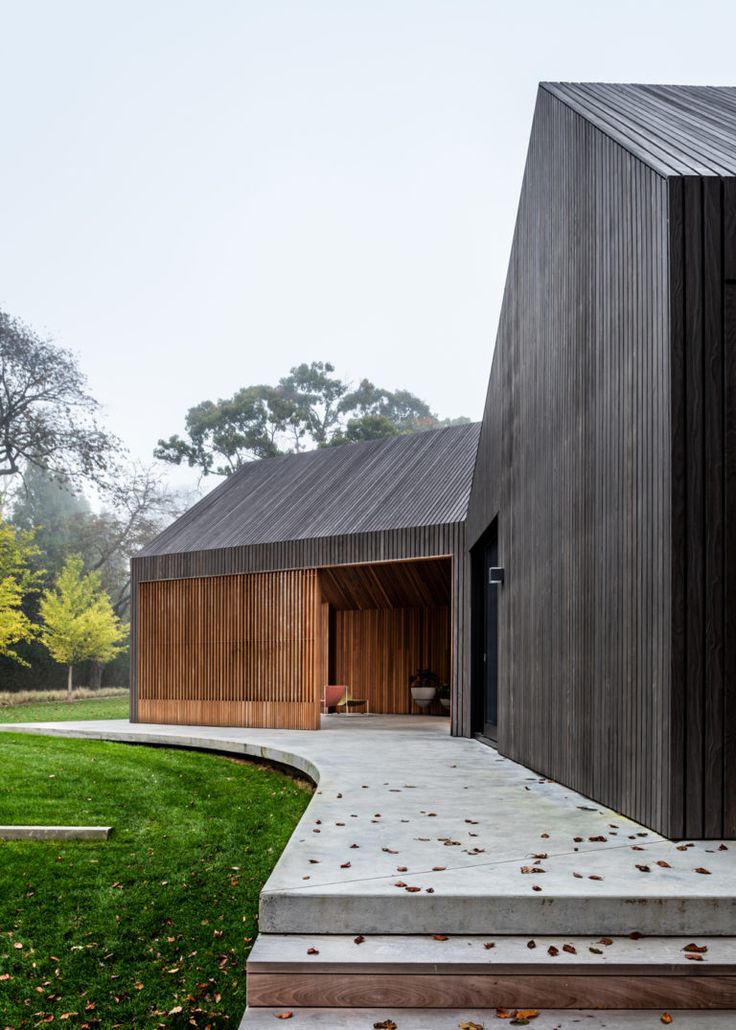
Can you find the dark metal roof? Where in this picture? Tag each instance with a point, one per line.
(422, 479)
(677, 130)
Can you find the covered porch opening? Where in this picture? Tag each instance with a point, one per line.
(381, 622)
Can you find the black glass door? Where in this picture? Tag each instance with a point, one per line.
(490, 636)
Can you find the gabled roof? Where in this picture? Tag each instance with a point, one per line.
(422, 479)
(677, 130)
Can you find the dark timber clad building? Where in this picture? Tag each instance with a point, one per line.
(603, 494)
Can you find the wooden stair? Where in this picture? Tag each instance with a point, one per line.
(395, 972)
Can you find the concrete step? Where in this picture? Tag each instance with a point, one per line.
(406, 972)
(450, 1019)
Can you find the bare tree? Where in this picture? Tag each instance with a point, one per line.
(48, 419)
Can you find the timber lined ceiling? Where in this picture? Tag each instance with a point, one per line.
(676, 130)
(420, 584)
(422, 479)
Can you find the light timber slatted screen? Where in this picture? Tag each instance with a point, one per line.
(242, 650)
(378, 649)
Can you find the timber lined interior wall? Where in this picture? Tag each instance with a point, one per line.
(241, 650)
(390, 619)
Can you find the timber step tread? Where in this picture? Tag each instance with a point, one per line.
(450, 1019)
(322, 954)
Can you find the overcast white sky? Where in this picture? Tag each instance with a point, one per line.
(197, 194)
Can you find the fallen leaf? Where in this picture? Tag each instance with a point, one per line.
(695, 958)
(387, 1024)
(402, 869)
(553, 951)
(662, 864)
(399, 883)
(412, 890)
(596, 951)
(570, 949)
(594, 876)
(359, 939)
(643, 868)
(175, 1011)
(540, 855)
(312, 951)
(490, 944)
(532, 869)
(438, 868)
(470, 1026)
(531, 944)
(527, 1013)
(440, 937)
(665, 1018)
(705, 872)
(345, 865)
(697, 948)
(536, 887)
(606, 940)
(635, 935)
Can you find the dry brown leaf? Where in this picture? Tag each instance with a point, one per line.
(399, 883)
(698, 949)
(700, 869)
(553, 951)
(412, 890)
(345, 865)
(570, 949)
(470, 1026)
(527, 1013)
(387, 1024)
(594, 876)
(606, 940)
(283, 1015)
(532, 869)
(695, 958)
(440, 937)
(531, 944)
(536, 887)
(438, 868)
(359, 939)
(643, 868)
(312, 951)
(596, 951)
(665, 1018)
(490, 944)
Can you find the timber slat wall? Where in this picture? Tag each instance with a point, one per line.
(574, 458)
(608, 451)
(231, 650)
(447, 540)
(377, 650)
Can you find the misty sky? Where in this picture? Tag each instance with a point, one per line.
(198, 195)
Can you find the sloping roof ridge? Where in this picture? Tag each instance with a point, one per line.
(666, 127)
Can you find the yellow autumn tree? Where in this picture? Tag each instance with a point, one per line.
(78, 623)
(18, 578)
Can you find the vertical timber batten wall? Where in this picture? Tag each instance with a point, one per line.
(240, 650)
(442, 540)
(574, 457)
(608, 452)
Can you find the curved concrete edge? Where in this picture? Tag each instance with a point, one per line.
(244, 748)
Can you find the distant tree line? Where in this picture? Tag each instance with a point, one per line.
(74, 507)
(310, 407)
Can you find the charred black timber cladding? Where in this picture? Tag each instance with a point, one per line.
(608, 451)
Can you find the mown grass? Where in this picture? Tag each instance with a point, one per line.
(152, 927)
(66, 711)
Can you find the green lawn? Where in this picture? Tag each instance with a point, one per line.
(66, 711)
(153, 927)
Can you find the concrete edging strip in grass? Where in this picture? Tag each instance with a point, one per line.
(55, 832)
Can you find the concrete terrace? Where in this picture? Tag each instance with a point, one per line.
(413, 833)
